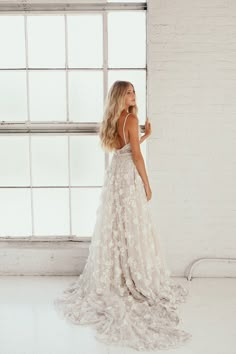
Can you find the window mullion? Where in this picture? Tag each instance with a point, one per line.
(105, 68)
(28, 122)
(68, 119)
(56, 7)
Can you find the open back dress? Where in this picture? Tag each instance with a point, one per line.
(125, 291)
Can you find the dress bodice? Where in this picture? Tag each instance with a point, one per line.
(126, 149)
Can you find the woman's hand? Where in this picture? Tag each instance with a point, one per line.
(148, 192)
(148, 129)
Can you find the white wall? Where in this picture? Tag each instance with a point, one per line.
(192, 107)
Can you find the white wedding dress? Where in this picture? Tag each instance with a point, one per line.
(125, 291)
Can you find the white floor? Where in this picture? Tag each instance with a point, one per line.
(30, 325)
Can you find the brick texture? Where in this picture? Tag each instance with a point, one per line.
(192, 150)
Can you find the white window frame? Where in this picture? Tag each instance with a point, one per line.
(70, 128)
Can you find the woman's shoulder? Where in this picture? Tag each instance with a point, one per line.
(132, 118)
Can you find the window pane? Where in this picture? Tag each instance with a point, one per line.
(84, 206)
(87, 161)
(127, 39)
(85, 48)
(47, 95)
(86, 96)
(12, 42)
(51, 211)
(13, 98)
(50, 160)
(15, 211)
(46, 41)
(138, 79)
(14, 161)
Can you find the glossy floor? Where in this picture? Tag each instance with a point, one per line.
(30, 325)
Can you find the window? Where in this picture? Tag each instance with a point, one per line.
(55, 70)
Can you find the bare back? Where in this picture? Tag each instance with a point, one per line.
(123, 136)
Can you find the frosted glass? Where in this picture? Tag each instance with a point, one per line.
(85, 43)
(50, 160)
(127, 39)
(51, 211)
(47, 95)
(14, 161)
(138, 79)
(84, 203)
(13, 99)
(12, 42)
(87, 161)
(15, 211)
(46, 41)
(86, 96)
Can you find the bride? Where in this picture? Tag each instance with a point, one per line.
(125, 291)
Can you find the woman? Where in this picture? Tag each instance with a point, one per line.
(125, 290)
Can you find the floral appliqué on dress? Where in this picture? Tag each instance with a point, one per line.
(125, 291)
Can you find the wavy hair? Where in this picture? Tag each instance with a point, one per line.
(114, 105)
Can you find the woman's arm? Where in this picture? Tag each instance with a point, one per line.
(133, 131)
(143, 137)
(147, 131)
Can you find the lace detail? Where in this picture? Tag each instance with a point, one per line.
(125, 291)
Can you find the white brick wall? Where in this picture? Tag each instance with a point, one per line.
(192, 107)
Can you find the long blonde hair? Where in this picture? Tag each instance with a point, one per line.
(114, 105)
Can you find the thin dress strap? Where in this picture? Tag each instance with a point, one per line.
(124, 127)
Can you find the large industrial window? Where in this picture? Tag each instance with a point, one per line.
(56, 66)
